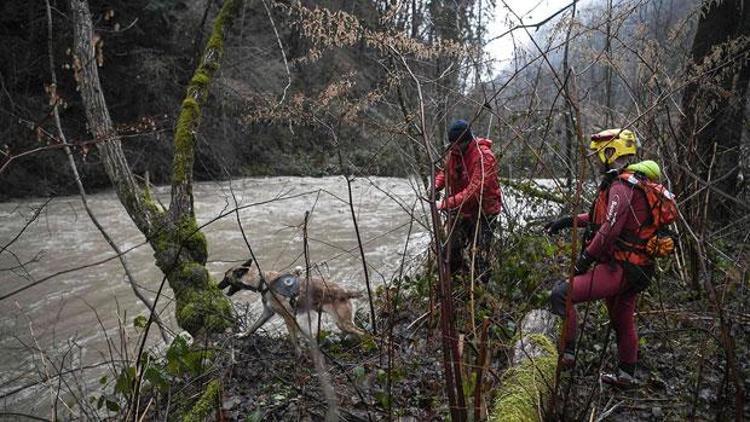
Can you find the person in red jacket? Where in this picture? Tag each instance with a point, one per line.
(473, 193)
(607, 268)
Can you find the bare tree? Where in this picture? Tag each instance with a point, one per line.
(179, 247)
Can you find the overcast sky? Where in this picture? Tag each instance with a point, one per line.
(531, 11)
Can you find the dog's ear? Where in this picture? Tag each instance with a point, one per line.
(248, 263)
(239, 272)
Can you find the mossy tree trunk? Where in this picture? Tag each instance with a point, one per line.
(179, 247)
(531, 375)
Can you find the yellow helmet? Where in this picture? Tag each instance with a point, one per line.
(622, 141)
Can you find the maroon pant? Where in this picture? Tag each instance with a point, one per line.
(606, 281)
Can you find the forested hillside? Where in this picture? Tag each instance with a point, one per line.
(148, 50)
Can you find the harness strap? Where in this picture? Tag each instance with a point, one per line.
(625, 238)
(263, 287)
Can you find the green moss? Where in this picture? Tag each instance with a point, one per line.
(200, 78)
(148, 200)
(185, 237)
(193, 276)
(184, 140)
(200, 307)
(203, 310)
(529, 188)
(208, 402)
(192, 239)
(221, 316)
(190, 113)
(526, 385)
(188, 315)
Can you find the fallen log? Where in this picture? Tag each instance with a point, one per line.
(530, 378)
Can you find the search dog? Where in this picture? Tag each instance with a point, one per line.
(288, 294)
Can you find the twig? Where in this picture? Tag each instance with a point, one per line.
(362, 255)
(281, 49)
(482, 362)
(532, 25)
(451, 356)
(26, 225)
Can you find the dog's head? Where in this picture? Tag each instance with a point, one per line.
(240, 277)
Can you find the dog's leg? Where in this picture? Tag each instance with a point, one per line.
(342, 312)
(267, 314)
(291, 326)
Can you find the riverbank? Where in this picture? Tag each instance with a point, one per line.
(399, 373)
(399, 370)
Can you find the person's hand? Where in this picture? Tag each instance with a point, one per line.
(555, 226)
(583, 263)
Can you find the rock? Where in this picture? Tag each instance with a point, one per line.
(538, 322)
(230, 403)
(291, 409)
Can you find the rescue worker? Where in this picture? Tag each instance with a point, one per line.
(615, 263)
(472, 193)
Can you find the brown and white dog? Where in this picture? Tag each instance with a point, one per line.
(288, 294)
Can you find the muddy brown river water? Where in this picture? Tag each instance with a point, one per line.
(62, 322)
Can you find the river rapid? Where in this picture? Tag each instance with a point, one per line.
(73, 319)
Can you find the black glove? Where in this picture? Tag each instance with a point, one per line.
(583, 263)
(555, 226)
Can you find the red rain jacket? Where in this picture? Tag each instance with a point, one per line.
(469, 175)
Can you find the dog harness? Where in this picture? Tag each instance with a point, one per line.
(286, 285)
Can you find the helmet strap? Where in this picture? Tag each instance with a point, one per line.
(621, 163)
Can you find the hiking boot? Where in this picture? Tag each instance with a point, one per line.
(568, 360)
(568, 357)
(620, 379)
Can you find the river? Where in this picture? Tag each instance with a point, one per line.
(61, 323)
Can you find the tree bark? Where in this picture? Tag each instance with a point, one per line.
(100, 124)
(179, 247)
(713, 105)
(82, 191)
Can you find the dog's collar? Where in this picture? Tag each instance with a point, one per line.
(265, 286)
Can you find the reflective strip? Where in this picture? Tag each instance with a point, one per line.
(633, 180)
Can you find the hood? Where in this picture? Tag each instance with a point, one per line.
(484, 142)
(479, 142)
